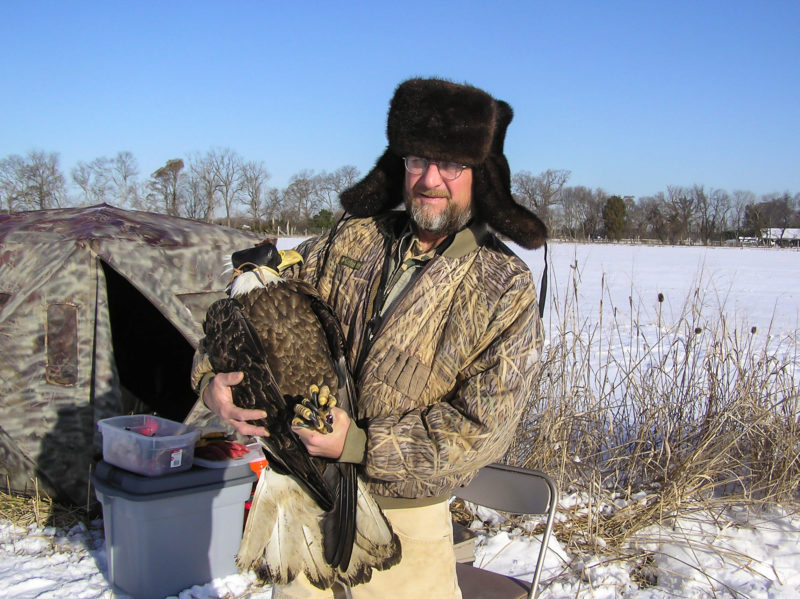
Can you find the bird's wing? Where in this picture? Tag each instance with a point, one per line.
(232, 345)
(336, 342)
(339, 525)
(354, 536)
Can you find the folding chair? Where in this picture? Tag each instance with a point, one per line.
(517, 491)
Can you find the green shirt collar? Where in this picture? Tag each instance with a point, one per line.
(456, 246)
(466, 240)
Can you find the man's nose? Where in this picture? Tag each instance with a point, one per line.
(432, 177)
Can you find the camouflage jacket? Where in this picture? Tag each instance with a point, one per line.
(445, 373)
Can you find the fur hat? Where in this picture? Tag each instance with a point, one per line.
(437, 119)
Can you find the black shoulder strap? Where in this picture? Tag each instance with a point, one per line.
(326, 250)
(543, 286)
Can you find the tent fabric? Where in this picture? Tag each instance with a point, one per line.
(100, 311)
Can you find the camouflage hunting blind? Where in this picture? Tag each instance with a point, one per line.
(100, 311)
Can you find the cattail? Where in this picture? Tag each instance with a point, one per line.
(660, 298)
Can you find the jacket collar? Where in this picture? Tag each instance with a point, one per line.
(456, 246)
(467, 240)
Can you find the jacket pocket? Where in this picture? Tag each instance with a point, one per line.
(403, 372)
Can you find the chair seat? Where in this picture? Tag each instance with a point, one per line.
(517, 491)
(483, 584)
(463, 543)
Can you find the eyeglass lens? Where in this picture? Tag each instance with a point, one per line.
(448, 170)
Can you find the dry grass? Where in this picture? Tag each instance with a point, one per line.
(655, 420)
(646, 422)
(39, 509)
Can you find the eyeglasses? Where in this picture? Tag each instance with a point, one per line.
(448, 170)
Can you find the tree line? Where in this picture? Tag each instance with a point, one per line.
(222, 186)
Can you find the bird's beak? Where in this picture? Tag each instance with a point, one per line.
(288, 259)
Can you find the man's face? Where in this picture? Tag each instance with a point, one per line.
(437, 205)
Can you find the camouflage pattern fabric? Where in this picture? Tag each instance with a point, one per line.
(451, 367)
(58, 373)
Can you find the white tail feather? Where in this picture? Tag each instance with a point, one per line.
(283, 538)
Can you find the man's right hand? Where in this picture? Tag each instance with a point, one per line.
(218, 398)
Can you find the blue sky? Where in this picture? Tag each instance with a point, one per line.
(629, 96)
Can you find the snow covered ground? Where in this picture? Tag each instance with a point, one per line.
(737, 553)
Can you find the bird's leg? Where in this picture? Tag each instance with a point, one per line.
(315, 411)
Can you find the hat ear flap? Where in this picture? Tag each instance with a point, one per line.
(379, 191)
(494, 204)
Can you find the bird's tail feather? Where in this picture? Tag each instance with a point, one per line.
(338, 525)
(282, 536)
(375, 545)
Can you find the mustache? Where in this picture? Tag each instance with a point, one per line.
(434, 193)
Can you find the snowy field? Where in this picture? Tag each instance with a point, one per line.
(738, 553)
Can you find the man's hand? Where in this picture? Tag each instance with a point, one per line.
(328, 445)
(218, 398)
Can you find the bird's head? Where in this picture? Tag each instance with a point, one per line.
(259, 266)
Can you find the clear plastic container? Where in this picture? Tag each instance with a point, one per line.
(148, 445)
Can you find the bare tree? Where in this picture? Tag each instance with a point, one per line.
(272, 207)
(550, 183)
(253, 188)
(300, 198)
(631, 212)
(94, 180)
(654, 217)
(32, 182)
(593, 213)
(202, 187)
(167, 187)
(582, 211)
(124, 173)
(719, 207)
(524, 189)
(328, 186)
(226, 167)
(539, 192)
(108, 180)
(12, 183)
(680, 212)
(711, 210)
(741, 199)
(194, 205)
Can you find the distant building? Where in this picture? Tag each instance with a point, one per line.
(784, 237)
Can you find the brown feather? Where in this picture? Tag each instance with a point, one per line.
(318, 519)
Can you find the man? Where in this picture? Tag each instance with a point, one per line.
(441, 318)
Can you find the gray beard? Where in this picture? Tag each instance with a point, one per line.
(446, 222)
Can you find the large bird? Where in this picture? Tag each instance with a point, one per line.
(308, 514)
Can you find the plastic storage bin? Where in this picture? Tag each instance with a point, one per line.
(148, 444)
(166, 534)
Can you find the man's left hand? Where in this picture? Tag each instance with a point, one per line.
(328, 445)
